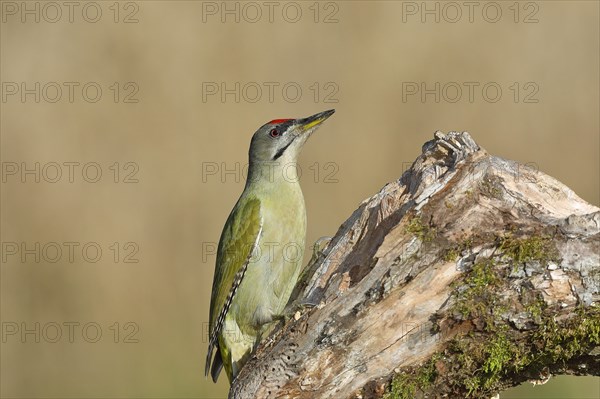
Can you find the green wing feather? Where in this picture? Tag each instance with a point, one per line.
(238, 240)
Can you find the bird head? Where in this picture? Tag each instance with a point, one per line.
(283, 138)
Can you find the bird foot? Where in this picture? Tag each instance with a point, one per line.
(293, 311)
(318, 248)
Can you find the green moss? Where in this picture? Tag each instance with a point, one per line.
(420, 230)
(500, 352)
(482, 274)
(535, 248)
(535, 309)
(402, 387)
(559, 343)
(482, 363)
(475, 300)
(485, 361)
(493, 354)
(406, 384)
(452, 253)
(428, 373)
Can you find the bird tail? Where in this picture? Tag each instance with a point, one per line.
(216, 366)
(217, 363)
(208, 358)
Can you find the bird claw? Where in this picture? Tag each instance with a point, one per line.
(318, 248)
(294, 311)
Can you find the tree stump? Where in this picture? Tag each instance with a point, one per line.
(468, 275)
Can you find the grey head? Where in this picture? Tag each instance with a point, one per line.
(283, 138)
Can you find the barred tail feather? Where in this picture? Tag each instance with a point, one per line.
(216, 366)
(208, 358)
(217, 362)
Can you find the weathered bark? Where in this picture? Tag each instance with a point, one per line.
(468, 275)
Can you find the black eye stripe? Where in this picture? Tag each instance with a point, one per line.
(282, 150)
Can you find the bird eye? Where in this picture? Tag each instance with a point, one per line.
(274, 133)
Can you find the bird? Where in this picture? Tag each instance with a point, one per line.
(259, 256)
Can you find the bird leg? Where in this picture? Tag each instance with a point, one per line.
(318, 249)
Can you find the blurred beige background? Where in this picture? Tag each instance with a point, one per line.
(171, 146)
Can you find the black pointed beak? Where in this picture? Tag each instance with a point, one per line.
(315, 120)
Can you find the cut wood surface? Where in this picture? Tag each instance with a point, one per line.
(468, 275)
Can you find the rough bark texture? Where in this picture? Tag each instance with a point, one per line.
(468, 275)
